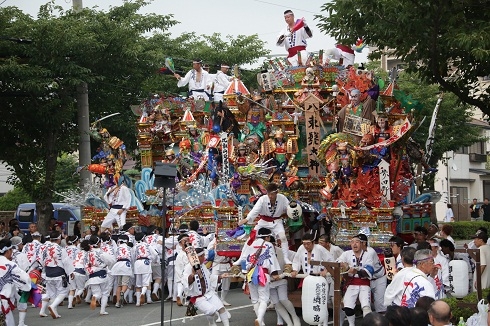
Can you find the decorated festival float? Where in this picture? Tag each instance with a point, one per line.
(336, 138)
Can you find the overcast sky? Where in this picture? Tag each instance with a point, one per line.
(236, 17)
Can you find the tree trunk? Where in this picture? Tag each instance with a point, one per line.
(44, 204)
(44, 213)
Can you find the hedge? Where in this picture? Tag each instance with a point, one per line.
(464, 230)
(464, 312)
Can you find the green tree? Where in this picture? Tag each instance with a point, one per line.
(38, 90)
(118, 53)
(447, 42)
(212, 49)
(13, 198)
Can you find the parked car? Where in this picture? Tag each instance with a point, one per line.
(26, 214)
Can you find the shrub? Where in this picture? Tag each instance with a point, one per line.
(464, 230)
(464, 312)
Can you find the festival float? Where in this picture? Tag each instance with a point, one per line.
(334, 137)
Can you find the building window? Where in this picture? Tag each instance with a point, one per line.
(462, 150)
(486, 189)
(478, 148)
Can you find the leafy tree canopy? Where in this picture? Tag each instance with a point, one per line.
(446, 42)
(118, 53)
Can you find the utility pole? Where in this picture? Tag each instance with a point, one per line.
(83, 120)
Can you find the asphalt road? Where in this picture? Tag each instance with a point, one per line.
(149, 315)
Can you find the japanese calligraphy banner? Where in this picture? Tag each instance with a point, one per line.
(312, 107)
(225, 166)
(384, 179)
(390, 266)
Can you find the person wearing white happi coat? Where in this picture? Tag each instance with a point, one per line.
(58, 269)
(270, 209)
(122, 270)
(119, 199)
(198, 80)
(412, 283)
(143, 255)
(171, 252)
(21, 260)
(180, 262)
(155, 241)
(279, 293)
(326, 243)
(97, 263)
(18, 256)
(378, 280)
(360, 271)
(441, 278)
(221, 81)
(220, 266)
(195, 239)
(261, 253)
(109, 246)
(198, 285)
(307, 252)
(12, 280)
(80, 275)
(33, 251)
(72, 250)
(294, 42)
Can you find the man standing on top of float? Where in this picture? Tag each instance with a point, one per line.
(294, 39)
(221, 82)
(197, 78)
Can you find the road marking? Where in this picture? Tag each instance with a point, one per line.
(177, 319)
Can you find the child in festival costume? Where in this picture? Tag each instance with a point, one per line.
(97, 263)
(143, 255)
(123, 268)
(58, 267)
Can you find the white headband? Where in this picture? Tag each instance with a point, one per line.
(5, 249)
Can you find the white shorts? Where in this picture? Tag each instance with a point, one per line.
(259, 293)
(101, 290)
(209, 306)
(156, 271)
(112, 218)
(78, 283)
(141, 280)
(279, 293)
(354, 291)
(55, 288)
(277, 227)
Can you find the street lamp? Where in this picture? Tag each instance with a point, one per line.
(165, 174)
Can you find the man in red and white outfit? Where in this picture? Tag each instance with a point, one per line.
(360, 272)
(294, 40)
(260, 254)
(270, 210)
